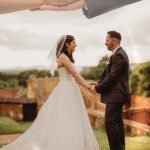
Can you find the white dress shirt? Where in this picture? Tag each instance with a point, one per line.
(113, 52)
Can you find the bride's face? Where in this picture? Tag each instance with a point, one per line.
(71, 46)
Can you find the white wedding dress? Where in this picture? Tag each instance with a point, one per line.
(62, 122)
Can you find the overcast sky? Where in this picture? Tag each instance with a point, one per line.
(27, 37)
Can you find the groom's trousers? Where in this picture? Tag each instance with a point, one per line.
(114, 126)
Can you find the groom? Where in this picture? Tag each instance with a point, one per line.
(114, 90)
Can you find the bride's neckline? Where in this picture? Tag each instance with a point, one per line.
(60, 67)
(63, 66)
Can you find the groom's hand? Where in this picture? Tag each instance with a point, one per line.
(92, 89)
(94, 83)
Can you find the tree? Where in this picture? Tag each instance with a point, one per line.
(95, 73)
(3, 84)
(20, 79)
(140, 80)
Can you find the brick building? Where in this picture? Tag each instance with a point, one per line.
(15, 107)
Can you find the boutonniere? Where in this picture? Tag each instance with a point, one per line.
(108, 62)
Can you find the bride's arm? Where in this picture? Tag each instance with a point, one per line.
(67, 64)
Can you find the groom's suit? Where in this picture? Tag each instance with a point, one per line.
(114, 90)
(98, 7)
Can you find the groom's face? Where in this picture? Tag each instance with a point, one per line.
(109, 43)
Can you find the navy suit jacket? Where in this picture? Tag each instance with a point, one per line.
(114, 86)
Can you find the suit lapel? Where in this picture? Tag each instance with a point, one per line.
(108, 67)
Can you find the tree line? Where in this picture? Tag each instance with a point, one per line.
(139, 77)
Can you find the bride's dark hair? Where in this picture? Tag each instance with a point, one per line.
(64, 50)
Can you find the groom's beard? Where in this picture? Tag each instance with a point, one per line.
(109, 48)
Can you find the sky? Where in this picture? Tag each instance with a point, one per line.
(27, 37)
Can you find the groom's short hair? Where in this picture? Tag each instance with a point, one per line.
(114, 34)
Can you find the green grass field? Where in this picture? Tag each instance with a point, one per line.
(132, 143)
(9, 126)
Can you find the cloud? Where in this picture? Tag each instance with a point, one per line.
(22, 40)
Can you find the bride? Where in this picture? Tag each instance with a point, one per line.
(62, 122)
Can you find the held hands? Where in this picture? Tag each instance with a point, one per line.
(61, 5)
(92, 87)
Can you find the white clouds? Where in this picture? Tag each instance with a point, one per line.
(11, 59)
(22, 40)
(32, 32)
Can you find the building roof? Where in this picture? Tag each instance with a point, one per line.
(12, 100)
(9, 92)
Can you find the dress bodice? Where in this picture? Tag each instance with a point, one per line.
(64, 74)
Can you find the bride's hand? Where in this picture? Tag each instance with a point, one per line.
(91, 88)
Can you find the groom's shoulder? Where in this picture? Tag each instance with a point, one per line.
(122, 53)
